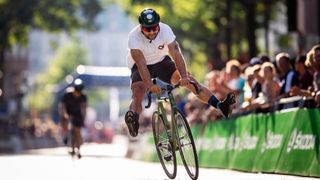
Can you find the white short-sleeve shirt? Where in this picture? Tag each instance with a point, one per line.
(154, 51)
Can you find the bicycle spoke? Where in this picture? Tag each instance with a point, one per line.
(186, 146)
(164, 148)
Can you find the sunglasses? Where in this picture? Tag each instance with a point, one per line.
(149, 29)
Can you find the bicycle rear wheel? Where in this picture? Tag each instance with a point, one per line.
(187, 147)
(163, 144)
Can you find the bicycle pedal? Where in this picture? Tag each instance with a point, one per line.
(159, 144)
(177, 148)
(168, 157)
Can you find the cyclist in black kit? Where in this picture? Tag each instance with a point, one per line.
(73, 110)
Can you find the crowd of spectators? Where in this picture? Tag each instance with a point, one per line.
(262, 85)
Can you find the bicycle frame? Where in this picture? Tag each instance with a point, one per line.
(176, 138)
(163, 112)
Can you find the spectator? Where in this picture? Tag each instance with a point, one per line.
(213, 81)
(255, 60)
(288, 79)
(316, 60)
(249, 77)
(249, 84)
(236, 82)
(305, 77)
(288, 76)
(195, 110)
(270, 88)
(257, 81)
(264, 58)
(313, 58)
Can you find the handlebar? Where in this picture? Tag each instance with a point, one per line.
(169, 88)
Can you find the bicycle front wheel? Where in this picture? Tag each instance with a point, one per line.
(187, 147)
(163, 143)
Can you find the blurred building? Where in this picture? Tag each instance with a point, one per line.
(304, 19)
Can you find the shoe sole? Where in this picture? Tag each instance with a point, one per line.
(231, 98)
(130, 123)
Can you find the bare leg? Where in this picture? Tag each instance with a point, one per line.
(204, 94)
(207, 96)
(132, 116)
(138, 92)
(78, 138)
(64, 126)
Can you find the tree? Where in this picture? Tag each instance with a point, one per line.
(215, 30)
(18, 17)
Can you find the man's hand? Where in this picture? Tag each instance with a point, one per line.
(294, 91)
(66, 116)
(184, 81)
(154, 89)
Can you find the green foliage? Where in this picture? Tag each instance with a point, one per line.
(198, 66)
(67, 58)
(98, 97)
(205, 26)
(18, 16)
(285, 41)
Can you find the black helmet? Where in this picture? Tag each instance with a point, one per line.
(149, 17)
(78, 85)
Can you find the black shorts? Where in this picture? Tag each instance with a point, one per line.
(77, 122)
(162, 70)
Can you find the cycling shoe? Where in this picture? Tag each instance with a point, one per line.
(131, 120)
(225, 105)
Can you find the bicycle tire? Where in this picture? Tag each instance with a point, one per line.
(187, 146)
(165, 152)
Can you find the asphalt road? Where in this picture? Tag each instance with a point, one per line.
(104, 162)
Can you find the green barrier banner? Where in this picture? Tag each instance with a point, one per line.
(273, 134)
(243, 143)
(282, 142)
(196, 131)
(315, 125)
(299, 148)
(214, 143)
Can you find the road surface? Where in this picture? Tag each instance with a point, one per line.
(104, 162)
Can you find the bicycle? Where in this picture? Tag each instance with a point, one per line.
(173, 136)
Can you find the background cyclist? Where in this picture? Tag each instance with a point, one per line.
(73, 109)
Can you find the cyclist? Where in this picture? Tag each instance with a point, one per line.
(150, 44)
(73, 108)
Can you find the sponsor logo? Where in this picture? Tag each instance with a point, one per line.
(161, 46)
(272, 141)
(247, 142)
(215, 143)
(300, 141)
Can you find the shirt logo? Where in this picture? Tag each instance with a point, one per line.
(161, 46)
